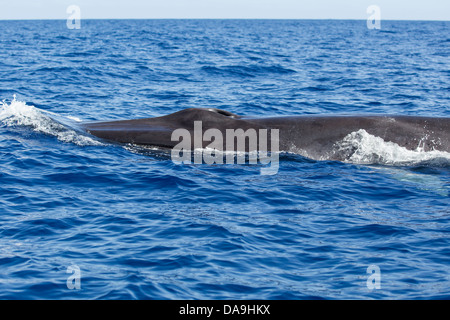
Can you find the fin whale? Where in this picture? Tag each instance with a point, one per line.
(316, 137)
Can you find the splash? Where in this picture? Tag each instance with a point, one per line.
(364, 148)
(18, 113)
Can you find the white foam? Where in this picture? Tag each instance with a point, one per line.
(362, 147)
(74, 118)
(18, 113)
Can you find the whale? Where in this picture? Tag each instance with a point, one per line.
(317, 137)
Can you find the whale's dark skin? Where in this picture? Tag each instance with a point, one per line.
(313, 136)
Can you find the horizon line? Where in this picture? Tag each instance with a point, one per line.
(342, 19)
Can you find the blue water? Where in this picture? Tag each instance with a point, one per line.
(139, 226)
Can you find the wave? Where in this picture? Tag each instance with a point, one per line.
(18, 113)
(363, 148)
(247, 70)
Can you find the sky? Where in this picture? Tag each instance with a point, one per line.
(226, 9)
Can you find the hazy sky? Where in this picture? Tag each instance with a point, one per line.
(260, 9)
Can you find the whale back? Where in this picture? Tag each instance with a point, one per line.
(313, 136)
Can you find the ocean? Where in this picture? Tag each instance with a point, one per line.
(84, 218)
